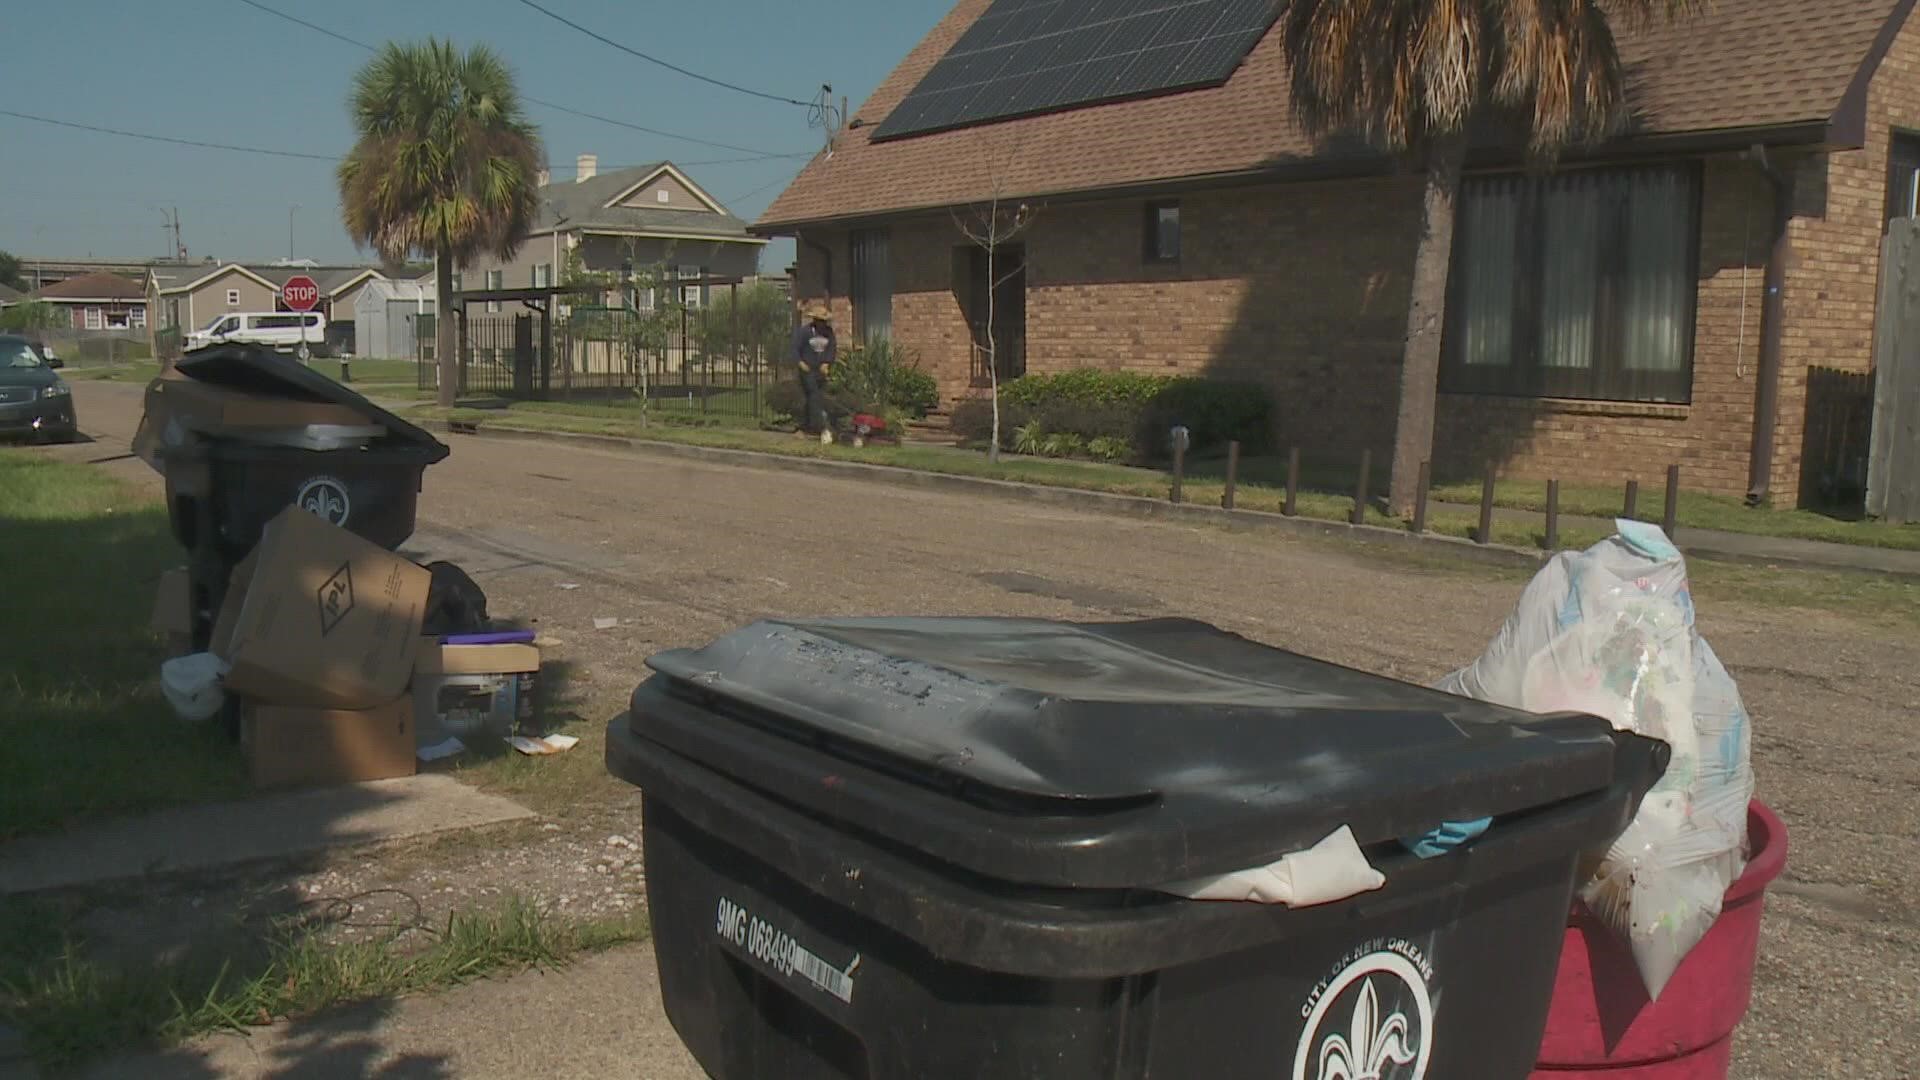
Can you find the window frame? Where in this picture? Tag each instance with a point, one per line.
(125, 316)
(233, 298)
(93, 318)
(1150, 249)
(1525, 376)
(137, 317)
(1896, 138)
(494, 279)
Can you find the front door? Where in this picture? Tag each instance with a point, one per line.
(1009, 330)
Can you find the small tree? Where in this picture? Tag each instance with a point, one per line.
(10, 272)
(989, 226)
(754, 319)
(30, 315)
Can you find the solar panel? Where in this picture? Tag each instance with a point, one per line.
(1023, 57)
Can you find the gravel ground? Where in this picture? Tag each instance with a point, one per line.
(678, 552)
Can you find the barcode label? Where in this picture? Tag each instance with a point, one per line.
(822, 974)
(778, 951)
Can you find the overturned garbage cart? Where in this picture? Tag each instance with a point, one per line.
(968, 847)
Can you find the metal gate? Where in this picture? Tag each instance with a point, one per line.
(1893, 458)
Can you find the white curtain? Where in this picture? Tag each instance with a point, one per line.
(1656, 295)
(1492, 218)
(1569, 280)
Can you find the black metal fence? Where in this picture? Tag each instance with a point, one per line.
(616, 357)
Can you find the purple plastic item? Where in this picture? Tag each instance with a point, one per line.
(500, 637)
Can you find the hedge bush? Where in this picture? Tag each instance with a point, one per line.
(1100, 412)
(885, 378)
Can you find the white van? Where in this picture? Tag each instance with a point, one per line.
(283, 330)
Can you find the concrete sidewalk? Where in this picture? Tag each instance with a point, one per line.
(599, 1017)
(249, 830)
(1740, 547)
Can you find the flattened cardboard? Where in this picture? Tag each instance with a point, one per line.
(438, 659)
(289, 746)
(325, 618)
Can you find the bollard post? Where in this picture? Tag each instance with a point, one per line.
(1670, 520)
(1420, 498)
(1233, 473)
(1553, 515)
(1179, 472)
(1633, 500)
(1485, 533)
(1293, 481)
(1359, 515)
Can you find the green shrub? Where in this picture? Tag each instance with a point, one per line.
(1109, 448)
(786, 396)
(1028, 438)
(972, 421)
(1143, 409)
(882, 377)
(1063, 444)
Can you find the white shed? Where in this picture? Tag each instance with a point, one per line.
(386, 317)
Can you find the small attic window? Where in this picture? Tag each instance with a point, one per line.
(663, 195)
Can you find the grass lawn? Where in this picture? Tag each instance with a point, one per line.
(1697, 510)
(143, 372)
(84, 733)
(72, 1003)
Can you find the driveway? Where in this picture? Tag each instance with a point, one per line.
(681, 551)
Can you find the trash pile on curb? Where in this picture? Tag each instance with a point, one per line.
(327, 655)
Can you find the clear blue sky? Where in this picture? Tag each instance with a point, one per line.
(221, 71)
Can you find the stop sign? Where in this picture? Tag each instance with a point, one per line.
(300, 293)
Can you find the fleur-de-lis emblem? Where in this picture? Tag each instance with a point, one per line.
(1370, 1045)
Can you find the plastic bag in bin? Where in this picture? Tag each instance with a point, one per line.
(1610, 631)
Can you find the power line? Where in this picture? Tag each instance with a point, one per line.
(255, 4)
(755, 191)
(604, 40)
(167, 138)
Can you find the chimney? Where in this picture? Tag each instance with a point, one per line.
(589, 165)
(543, 178)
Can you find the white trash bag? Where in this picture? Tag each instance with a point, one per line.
(191, 684)
(1610, 631)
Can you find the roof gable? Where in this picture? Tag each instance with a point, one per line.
(190, 278)
(597, 204)
(1740, 67)
(680, 194)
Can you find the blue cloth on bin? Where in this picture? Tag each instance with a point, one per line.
(1447, 837)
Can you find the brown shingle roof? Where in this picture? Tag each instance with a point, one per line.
(99, 286)
(1744, 64)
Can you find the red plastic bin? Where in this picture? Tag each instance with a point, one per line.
(1601, 1025)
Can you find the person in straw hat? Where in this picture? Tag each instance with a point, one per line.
(814, 350)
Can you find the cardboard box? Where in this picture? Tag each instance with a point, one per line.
(472, 690)
(318, 616)
(173, 611)
(288, 746)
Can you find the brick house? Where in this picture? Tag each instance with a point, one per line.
(96, 302)
(1605, 318)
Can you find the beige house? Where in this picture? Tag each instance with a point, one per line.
(189, 296)
(646, 218)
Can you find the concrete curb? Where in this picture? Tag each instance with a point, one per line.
(1099, 502)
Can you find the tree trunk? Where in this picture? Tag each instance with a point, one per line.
(446, 342)
(993, 349)
(1426, 322)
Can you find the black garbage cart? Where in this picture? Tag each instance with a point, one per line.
(223, 487)
(925, 848)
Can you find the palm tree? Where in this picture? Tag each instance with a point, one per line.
(446, 165)
(1409, 75)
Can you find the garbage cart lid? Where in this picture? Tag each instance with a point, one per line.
(257, 370)
(1201, 745)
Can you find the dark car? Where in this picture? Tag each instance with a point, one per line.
(34, 400)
